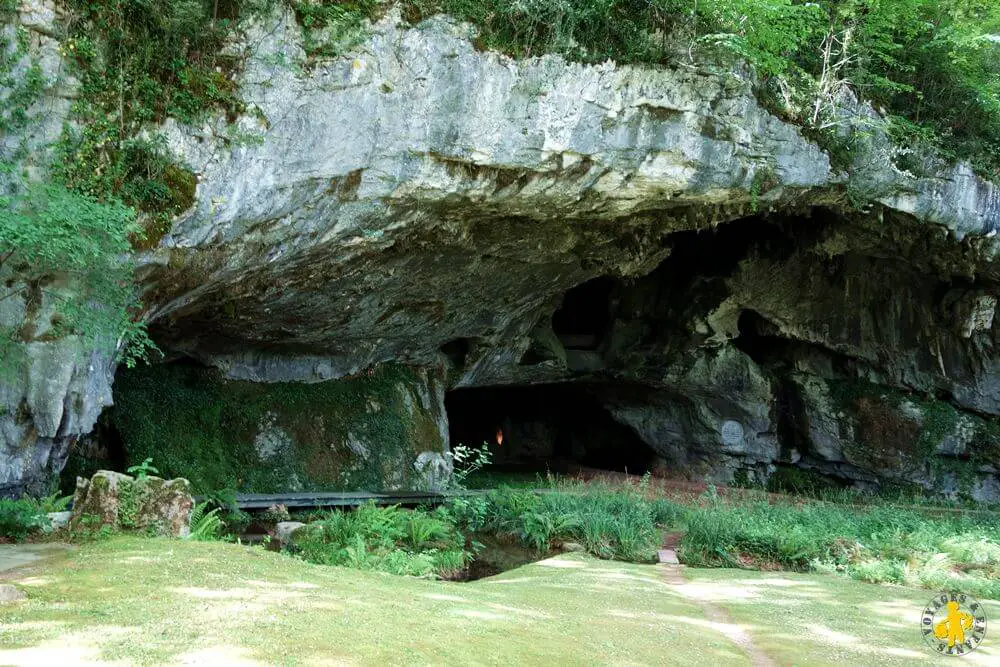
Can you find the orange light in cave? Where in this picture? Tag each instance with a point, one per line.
(499, 436)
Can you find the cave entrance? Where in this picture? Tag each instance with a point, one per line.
(551, 427)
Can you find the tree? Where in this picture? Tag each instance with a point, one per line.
(73, 251)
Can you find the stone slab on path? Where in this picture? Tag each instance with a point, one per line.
(668, 557)
(19, 555)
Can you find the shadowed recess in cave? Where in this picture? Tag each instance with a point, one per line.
(552, 427)
(585, 315)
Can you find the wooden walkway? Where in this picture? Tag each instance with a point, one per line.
(323, 499)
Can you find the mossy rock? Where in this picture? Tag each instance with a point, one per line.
(382, 430)
(912, 438)
(149, 504)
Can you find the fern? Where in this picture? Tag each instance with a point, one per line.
(206, 525)
(54, 503)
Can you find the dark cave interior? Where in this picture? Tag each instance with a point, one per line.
(549, 427)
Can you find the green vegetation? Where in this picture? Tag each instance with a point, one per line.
(467, 461)
(254, 437)
(798, 481)
(206, 524)
(131, 497)
(54, 239)
(614, 524)
(805, 619)
(880, 544)
(142, 470)
(488, 478)
(58, 245)
(609, 523)
(22, 82)
(332, 27)
(932, 66)
(20, 518)
(184, 601)
(140, 62)
(146, 601)
(389, 539)
(164, 590)
(24, 517)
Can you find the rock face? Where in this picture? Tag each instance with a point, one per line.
(51, 391)
(50, 395)
(121, 502)
(383, 430)
(654, 235)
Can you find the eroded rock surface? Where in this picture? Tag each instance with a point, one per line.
(654, 234)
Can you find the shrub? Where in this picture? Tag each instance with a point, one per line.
(48, 231)
(54, 503)
(879, 571)
(798, 481)
(609, 523)
(20, 518)
(666, 513)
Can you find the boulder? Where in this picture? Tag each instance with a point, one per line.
(59, 520)
(147, 504)
(10, 593)
(284, 531)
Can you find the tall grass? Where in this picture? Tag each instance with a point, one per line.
(619, 523)
(881, 544)
(877, 543)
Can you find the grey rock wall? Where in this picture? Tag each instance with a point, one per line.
(419, 201)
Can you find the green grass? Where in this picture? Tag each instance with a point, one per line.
(154, 601)
(490, 479)
(619, 524)
(878, 543)
(805, 619)
(881, 544)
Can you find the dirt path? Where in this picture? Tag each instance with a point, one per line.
(14, 556)
(673, 574)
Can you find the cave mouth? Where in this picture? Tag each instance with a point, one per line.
(558, 428)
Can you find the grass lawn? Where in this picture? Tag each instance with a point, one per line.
(812, 619)
(130, 600)
(157, 601)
